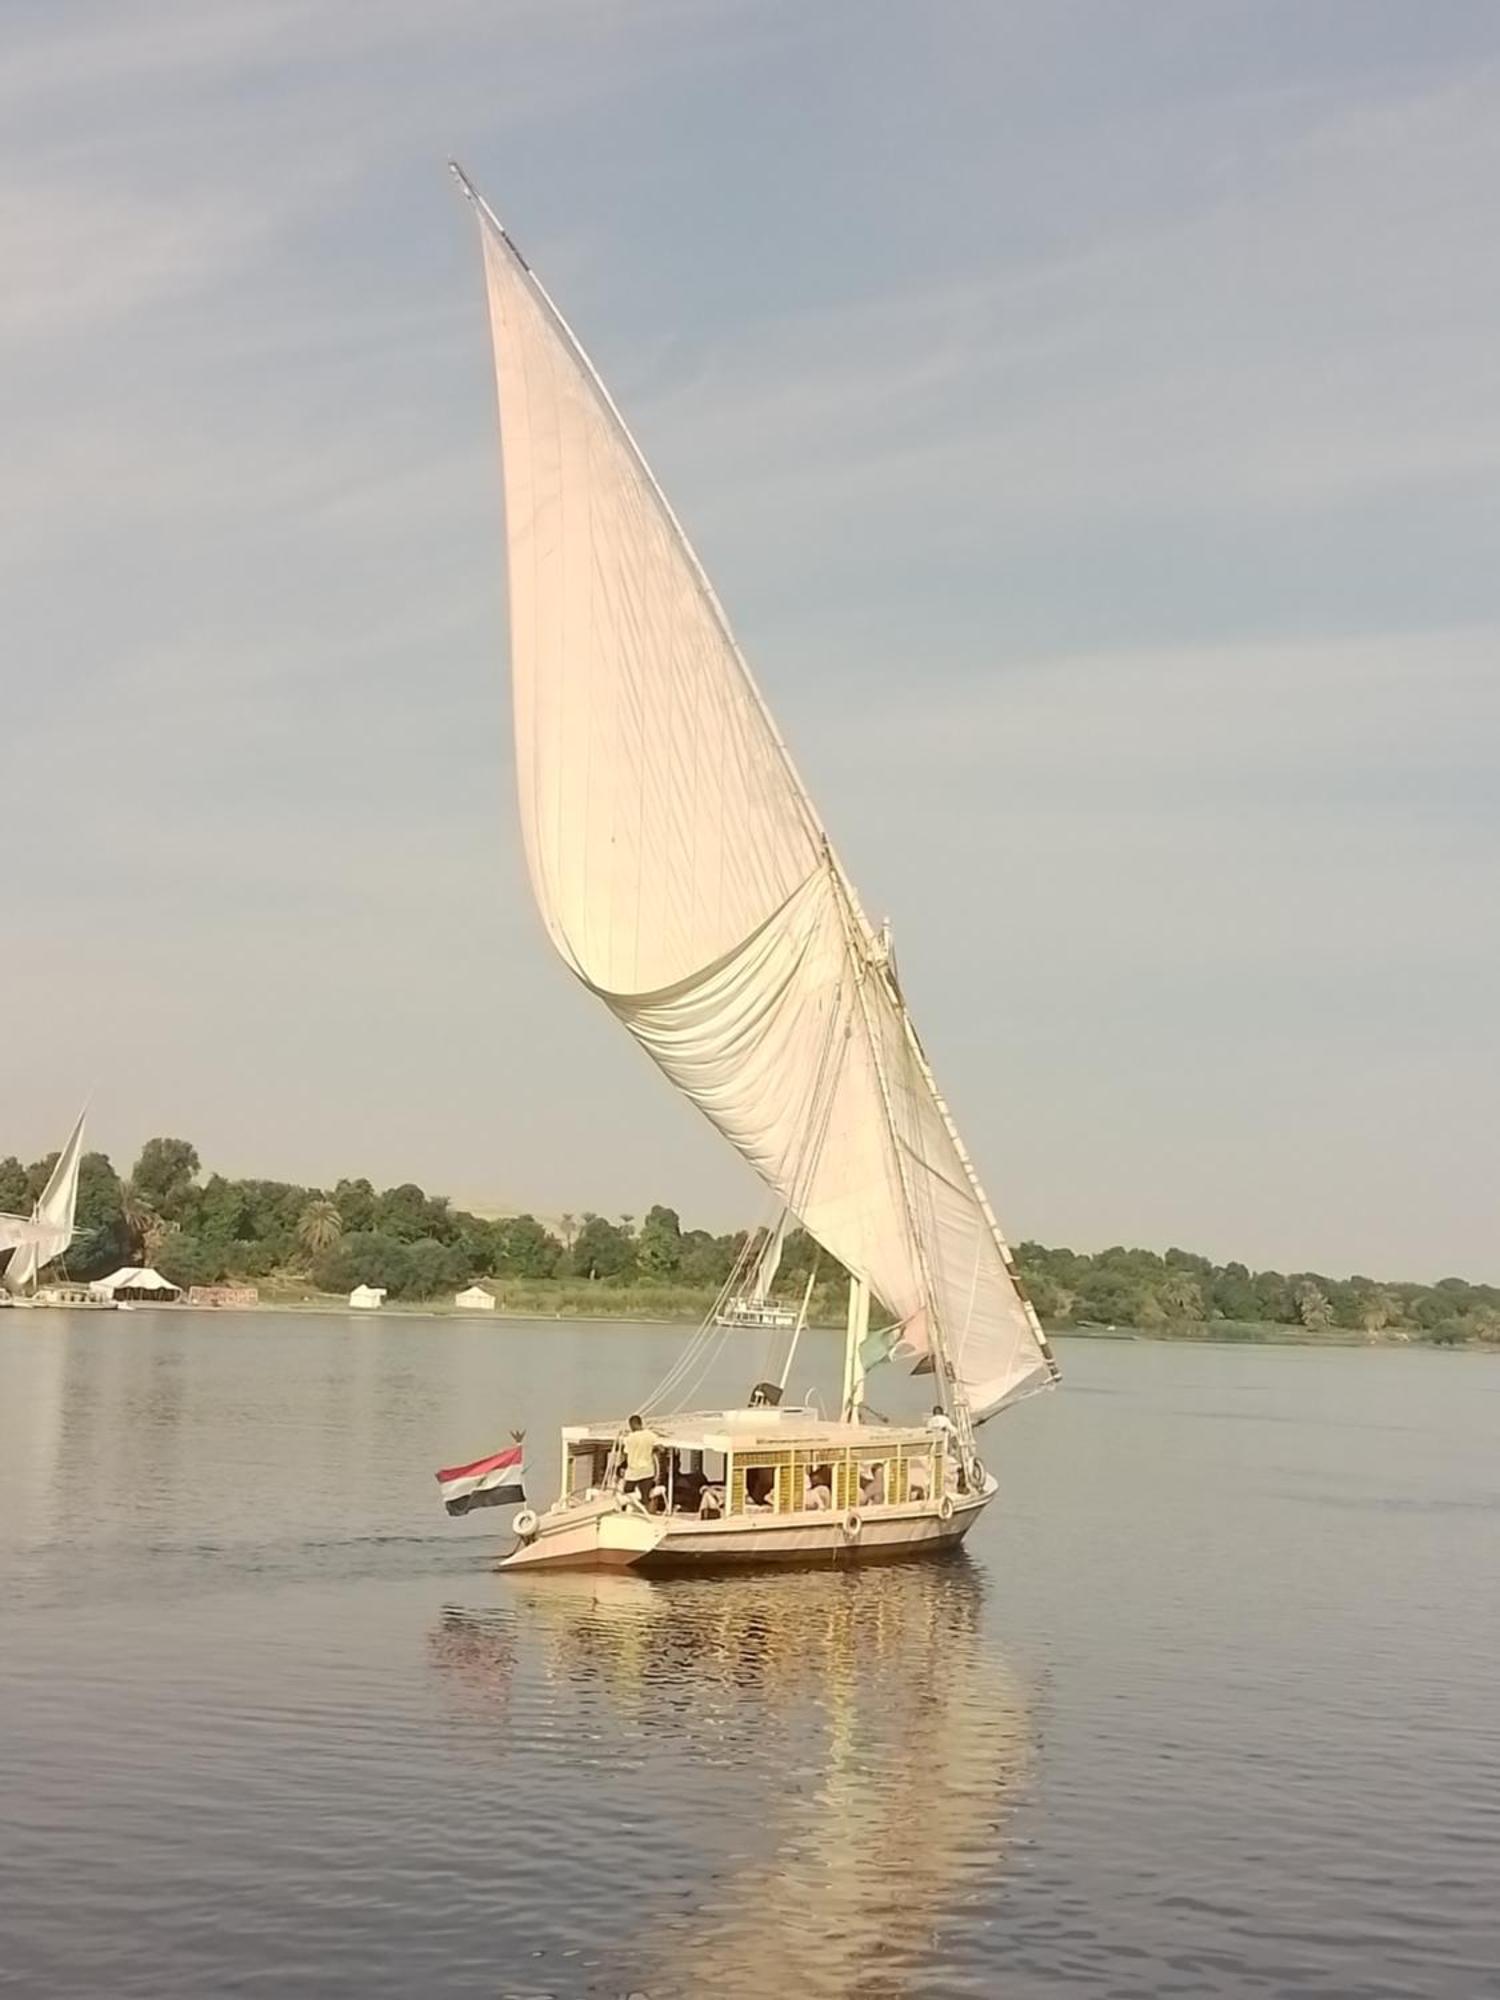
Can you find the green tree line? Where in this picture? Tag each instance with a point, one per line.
(199, 1231)
(1155, 1292)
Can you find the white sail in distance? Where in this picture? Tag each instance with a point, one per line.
(48, 1231)
(685, 877)
(768, 1263)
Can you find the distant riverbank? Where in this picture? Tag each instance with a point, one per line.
(535, 1299)
(307, 1248)
(689, 1306)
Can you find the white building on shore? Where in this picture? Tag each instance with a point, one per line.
(367, 1298)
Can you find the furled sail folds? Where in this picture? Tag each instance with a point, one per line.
(48, 1231)
(683, 873)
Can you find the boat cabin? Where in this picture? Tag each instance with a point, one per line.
(727, 1464)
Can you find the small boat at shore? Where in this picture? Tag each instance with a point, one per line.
(754, 1309)
(687, 881)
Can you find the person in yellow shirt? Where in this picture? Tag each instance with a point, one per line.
(640, 1447)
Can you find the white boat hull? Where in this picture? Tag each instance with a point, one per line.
(602, 1535)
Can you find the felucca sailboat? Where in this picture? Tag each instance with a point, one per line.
(36, 1239)
(686, 880)
(756, 1307)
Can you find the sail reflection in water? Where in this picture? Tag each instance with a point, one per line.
(836, 1755)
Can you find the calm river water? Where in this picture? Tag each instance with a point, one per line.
(1211, 1705)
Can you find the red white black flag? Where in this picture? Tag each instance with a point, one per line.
(489, 1482)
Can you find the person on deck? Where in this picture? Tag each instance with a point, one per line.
(944, 1427)
(640, 1447)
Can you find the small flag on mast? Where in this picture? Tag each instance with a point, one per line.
(497, 1481)
(878, 1346)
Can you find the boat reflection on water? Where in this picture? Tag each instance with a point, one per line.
(837, 1755)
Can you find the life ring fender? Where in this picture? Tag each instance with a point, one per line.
(525, 1525)
(852, 1525)
(945, 1507)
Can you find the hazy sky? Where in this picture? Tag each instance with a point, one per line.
(1090, 415)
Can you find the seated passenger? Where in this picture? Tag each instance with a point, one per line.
(817, 1489)
(760, 1489)
(919, 1479)
(872, 1486)
(711, 1502)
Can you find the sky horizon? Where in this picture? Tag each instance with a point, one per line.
(1089, 422)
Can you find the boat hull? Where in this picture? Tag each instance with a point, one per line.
(650, 1544)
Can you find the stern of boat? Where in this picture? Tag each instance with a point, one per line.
(598, 1535)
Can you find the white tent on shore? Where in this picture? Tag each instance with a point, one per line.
(475, 1299)
(136, 1281)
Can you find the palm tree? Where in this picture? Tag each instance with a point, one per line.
(319, 1226)
(154, 1237)
(140, 1218)
(1377, 1310)
(1313, 1308)
(1182, 1296)
(567, 1228)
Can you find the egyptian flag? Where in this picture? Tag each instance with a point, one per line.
(498, 1481)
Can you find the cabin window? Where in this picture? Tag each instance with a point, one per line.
(696, 1482)
(759, 1485)
(587, 1466)
(916, 1477)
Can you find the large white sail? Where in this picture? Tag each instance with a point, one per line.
(685, 877)
(48, 1231)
